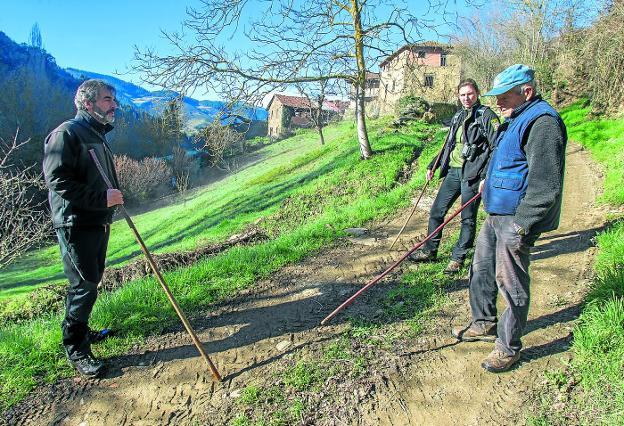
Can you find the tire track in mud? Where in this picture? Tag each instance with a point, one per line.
(433, 380)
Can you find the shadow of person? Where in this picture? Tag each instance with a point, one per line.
(301, 311)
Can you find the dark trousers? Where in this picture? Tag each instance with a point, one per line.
(83, 251)
(501, 263)
(452, 187)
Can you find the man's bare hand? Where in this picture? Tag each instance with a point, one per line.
(481, 185)
(113, 197)
(429, 174)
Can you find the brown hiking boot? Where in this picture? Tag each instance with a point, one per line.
(453, 267)
(498, 361)
(485, 332)
(422, 255)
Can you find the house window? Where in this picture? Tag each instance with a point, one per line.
(429, 80)
(420, 54)
(443, 60)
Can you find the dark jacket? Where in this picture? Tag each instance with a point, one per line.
(537, 137)
(479, 130)
(77, 191)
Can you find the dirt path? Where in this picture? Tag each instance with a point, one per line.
(447, 386)
(432, 380)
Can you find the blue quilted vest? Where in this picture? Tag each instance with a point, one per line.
(506, 181)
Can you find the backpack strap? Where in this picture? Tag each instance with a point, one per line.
(480, 119)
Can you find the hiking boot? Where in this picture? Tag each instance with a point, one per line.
(422, 255)
(88, 366)
(453, 267)
(98, 336)
(485, 332)
(498, 361)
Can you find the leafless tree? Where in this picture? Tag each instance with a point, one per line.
(517, 31)
(287, 37)
(182, 166)
(219, 140)
(316, 94)
(24, 222)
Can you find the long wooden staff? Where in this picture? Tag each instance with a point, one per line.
(395, 264)
(159, 277)
(435, 165)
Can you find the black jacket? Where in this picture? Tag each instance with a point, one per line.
(77, 191)
(479, 130)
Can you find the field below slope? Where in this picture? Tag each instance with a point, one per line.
(305, 195)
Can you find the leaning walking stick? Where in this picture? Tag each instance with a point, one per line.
(159, 277)
(435, 164)
(395, 264)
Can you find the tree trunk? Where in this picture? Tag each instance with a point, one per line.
(365, 148)
(321, 136)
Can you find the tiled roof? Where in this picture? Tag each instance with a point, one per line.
(301, 102)
(293, 101)
(432, 45)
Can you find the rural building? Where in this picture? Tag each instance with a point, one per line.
(371, 91)
(429, 70)
(290, 112)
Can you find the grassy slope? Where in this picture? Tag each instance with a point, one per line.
(598, 347)
(204, 216)
(328, 189)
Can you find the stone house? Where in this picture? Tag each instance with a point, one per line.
(429, 70)
(371, 92)
(287, 113)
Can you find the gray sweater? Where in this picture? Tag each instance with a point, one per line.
(544, 146)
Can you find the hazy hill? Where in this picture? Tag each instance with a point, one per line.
(196, 113)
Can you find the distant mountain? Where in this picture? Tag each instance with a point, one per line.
(14, 56)
(197, 113)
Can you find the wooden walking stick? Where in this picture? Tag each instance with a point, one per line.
(435, 165)
(395, 264)
(159, 277)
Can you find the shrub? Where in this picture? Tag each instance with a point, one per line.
(142, 180)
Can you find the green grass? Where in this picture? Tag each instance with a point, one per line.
(203, 216)
(605, 140)
(352, 193)
(591, 389)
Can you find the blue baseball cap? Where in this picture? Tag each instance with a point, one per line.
(511, 77)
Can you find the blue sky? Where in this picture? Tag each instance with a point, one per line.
(95, 36)
(99, 36)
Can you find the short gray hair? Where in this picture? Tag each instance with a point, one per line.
(520, 88)
(89, 91)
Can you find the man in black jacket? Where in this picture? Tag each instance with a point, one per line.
(82, 209)
(462, 163)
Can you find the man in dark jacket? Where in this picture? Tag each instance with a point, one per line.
(82, 210)
(522, 195)
(462, 163)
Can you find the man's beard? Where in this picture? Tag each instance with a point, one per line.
(102, 116)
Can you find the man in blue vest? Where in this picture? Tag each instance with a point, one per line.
(462, 163)
(522, 195)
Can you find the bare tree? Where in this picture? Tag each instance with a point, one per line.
(182, 167)
(316, 95)
(517, 31)
(24, 223)
(219, 140)
(287, 37)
